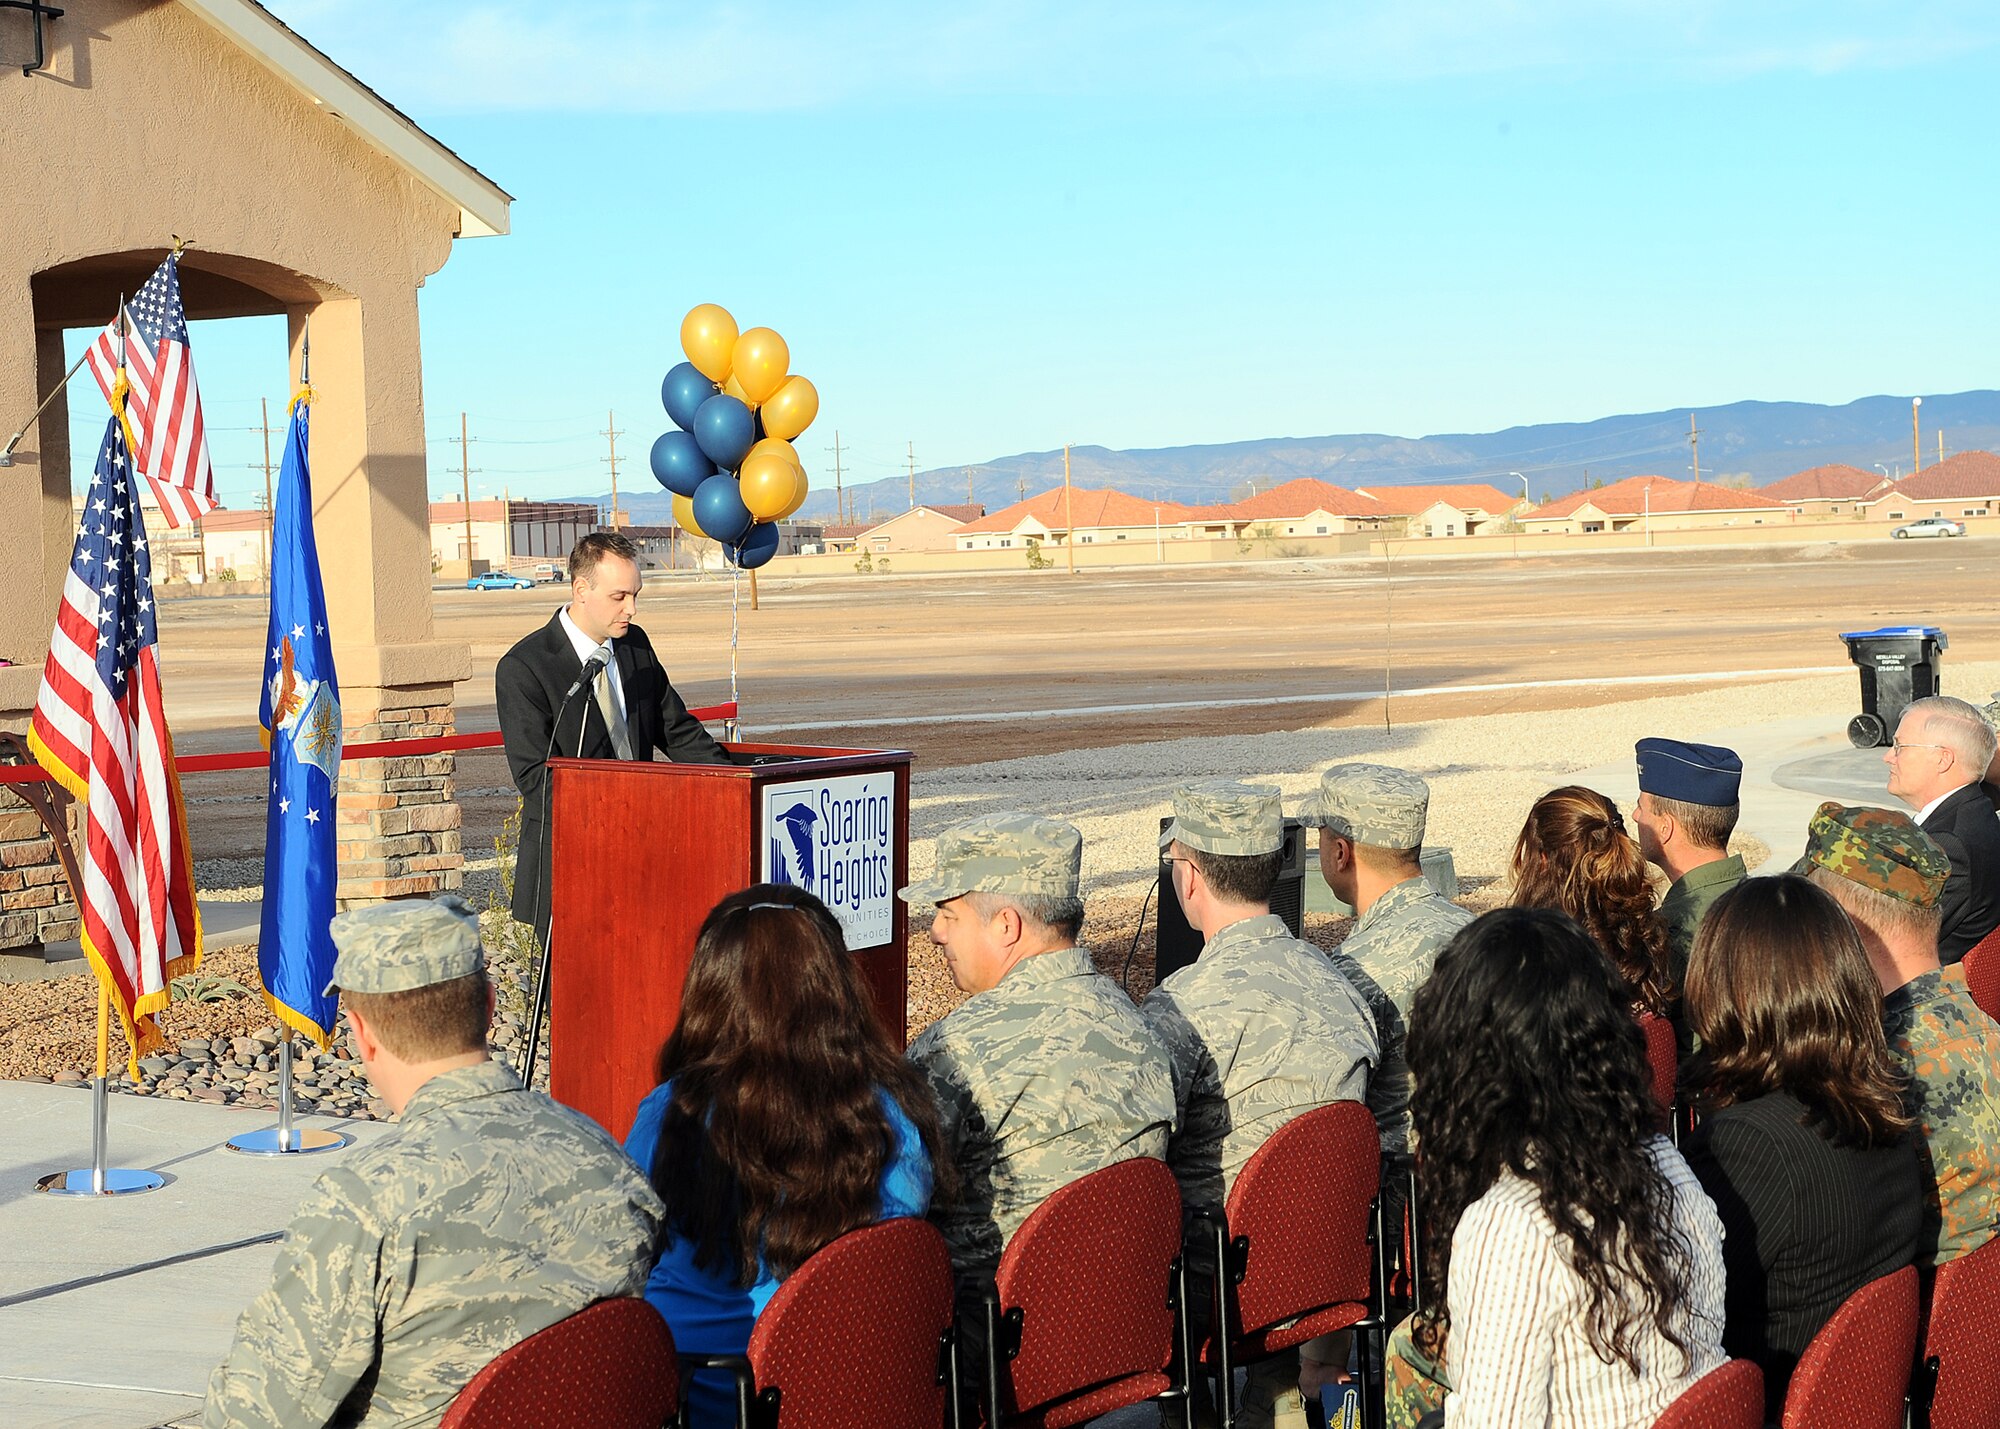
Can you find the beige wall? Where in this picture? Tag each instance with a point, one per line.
(1902, 508)
(489, 542)
(1661, 521)
(919, 530)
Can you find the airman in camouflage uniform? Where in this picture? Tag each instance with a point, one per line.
(1396, 938)
(1947, 1046)
(1047, 1074)
(1990, 785)
(1260, 1029)
(488, 1214)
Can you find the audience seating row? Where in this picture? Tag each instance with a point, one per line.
(1093, 1310)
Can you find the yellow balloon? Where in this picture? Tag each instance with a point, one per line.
(759, 362)
(774, 446)
(798, 500)
(791, 409)
(735, 389)
(708, 337)
(684, 516)
(769, 484)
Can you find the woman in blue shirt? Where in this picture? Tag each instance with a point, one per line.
(784, 1118)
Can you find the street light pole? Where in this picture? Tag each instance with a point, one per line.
(1524, 506)
(1916, 438)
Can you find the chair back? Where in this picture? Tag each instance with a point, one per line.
(1965, 1310)
(1091, 1272)
(1982, 973)
(1730, 1396)
(609, 1366)
(1662, 1058)
(1857, 1368)
(1302, 1203)
(853, 1338)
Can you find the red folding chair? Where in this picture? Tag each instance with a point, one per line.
(1959, 1380)
(1730, 1396)
(609, 1366)
(1082, 1315)
(859, 1337)
(1856, 1372)
(1661, 1058)
(1982, 973)
(1300, 1246)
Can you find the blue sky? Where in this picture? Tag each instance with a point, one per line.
(996, 227)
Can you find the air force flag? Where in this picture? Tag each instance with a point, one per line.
(300, 712)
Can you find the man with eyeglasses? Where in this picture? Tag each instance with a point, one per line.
(1943, 749)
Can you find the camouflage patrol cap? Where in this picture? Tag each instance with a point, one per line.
(394, 947)
(1003, 853)
(1372, 804)
(1879, 849)
(1224, 817)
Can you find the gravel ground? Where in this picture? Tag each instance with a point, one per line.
(1484, 770)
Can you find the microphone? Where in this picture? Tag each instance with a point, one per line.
(592, 668)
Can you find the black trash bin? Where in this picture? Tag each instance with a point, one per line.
(1179, 944)
(1899, 665)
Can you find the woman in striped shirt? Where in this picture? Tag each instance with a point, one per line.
(1576, 1264)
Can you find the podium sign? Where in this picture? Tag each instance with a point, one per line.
(639, 854)
(835, 838)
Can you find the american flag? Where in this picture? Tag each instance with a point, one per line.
(164, 405)
(100, 729)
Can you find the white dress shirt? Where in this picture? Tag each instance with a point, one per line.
(1520, 1354)
(585, 648)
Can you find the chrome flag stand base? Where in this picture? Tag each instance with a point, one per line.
(97, 1179)
(284, 1139)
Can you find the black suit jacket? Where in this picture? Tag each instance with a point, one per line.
(528, 688)
(1967, 829)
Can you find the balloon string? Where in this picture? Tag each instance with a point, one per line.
(735, 585)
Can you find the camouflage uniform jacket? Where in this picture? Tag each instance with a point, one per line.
(1387, 957)
(1047, 1077)
(1688, 901)
(1951, 1051)
(1259, 1029)
(488, 1214)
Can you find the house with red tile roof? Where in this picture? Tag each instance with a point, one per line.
(1658, 503)
(1463, 510)
(1304, 507)
(1836, 490)
(921, 528)
(1967, 484)
(1100, 516)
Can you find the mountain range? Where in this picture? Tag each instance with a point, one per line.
(1748, 443)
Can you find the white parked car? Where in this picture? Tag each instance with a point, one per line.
(1930, 526)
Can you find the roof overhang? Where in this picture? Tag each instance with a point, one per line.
(482, 204)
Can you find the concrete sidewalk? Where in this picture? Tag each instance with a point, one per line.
(132, 1351)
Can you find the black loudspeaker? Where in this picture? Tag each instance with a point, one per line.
(1179, 944)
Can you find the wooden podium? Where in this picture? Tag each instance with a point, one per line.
(639, 854)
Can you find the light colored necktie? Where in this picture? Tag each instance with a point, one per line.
(614, 723)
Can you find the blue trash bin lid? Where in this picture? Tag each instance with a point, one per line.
(1891, 632)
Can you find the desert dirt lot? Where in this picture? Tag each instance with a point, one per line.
(1310, 637)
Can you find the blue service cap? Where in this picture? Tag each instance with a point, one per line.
(1691, 773)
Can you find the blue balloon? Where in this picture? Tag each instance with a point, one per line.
(683, 393)
(678, 463)
(756, 548)
(718, 504)
(725, 430)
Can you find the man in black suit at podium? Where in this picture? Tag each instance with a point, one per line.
(625, 710)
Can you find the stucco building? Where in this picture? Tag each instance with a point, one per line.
(1442, 511)
(1100, 516)
(1967, 484)
(1655, 503)
(311, 197)
(921, 528)
(1302, 507)
(1829, 491)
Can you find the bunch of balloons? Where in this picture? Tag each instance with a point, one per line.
(736, 410)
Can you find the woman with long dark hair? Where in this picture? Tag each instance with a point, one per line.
(1574, 1267)
(1575, 855)
(1804, 1146)
(784, 1118)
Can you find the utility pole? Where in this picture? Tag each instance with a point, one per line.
(1694, 443)
(610, 425)
(1069, 513)
(969, 499)
(1021, 486)
(1916, 438)
(465, 480)
(270, 511)
(839, 500)
(913, 476)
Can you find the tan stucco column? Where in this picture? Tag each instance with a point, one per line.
(399, 821)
